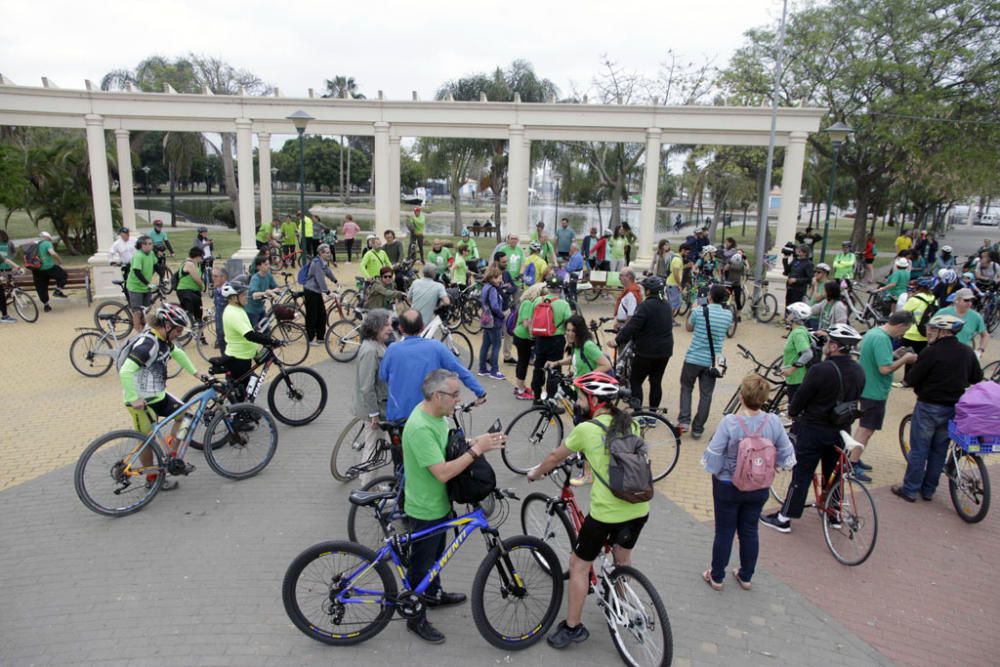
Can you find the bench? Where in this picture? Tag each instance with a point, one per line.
(75, 277)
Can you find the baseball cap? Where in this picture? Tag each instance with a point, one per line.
(964, 293)
(46, 235)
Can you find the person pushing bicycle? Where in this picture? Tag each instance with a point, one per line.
(611, 520)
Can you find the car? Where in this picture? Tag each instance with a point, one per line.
(988, 220)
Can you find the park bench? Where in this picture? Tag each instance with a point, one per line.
(76, 277)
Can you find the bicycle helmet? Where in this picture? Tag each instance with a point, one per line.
(946, 323)
(902, 263)
(708, 249)
(534, 246)
(968, 275)
(606, 232)
(947, 276)
(465, 232)
(600, 390)
(926, 282)
(653, 284)
(202, 229)
(233, 287)
(845, 244)
(172, 314)
(946, 250)
(798, 311)
(824, 267)
(844, 335)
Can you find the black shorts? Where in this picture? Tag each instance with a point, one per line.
(872, 414)
(594, 534)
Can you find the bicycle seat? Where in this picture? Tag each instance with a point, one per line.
(849, 442)
(366, 498)
(118, 282)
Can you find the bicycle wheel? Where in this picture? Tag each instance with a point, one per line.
(530, 437)
(517, 593)
(471, 313)
(297, 396)
(122, 320)
(969, 486)
(459, 344)
(201, 428)
(904, 436)
(296, 345)
(850, 524)
(685, 306)
(343, 340)
(91, 354)
(593, 293)
(780, 484)
(351, 458)
(637, 618)
(166, 285)
(766, 308)
(105, 480)
(328, 570)
(349, 300)
(731, 331)
(205, 341)
(548, 522)
(364, 527)
(733, 404)
(249, 441)
(991, 371)
(25, 306)
(663, 440)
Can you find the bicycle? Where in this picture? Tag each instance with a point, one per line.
(249, 443)
(763, 304)
(631, 605)
(24, 304)
(623, 356)
(94, 351)
(456, 341)
(871, 313)
(778, 402)
(968, 479)
(538, 430)
(730, 305)
(991, 371)
(122, 320)
(277, 323)
(844, 505)
(343, 593)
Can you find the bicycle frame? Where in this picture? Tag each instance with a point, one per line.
(201, 400)
(834, 481)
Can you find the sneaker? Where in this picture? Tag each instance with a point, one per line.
(860, 475)
(697, 434)
(423, 629)
(315, 343)
(510, 360)
(683, 428)
(526, 395)
(862, 465)
(897, 385)
(59, 293)
(581, 480)
(497, 375)
(7, 319)
(47, 308)
(482, 374)
(565, 635)
(771, 521)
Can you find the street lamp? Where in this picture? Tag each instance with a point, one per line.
(838, 133)
(300, 119)
(556, 223)
(149, 215)
(274, 199)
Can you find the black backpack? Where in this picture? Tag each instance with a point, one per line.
(630, 475)
(476, 482)
(929, 311)
(32, 259)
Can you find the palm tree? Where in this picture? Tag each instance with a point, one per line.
(338, 87)
(180, 150)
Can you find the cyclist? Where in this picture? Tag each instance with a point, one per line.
(821, 274)
(898, 280)
(261, 286)
(945, 261)
(843, 264)
(798, 352)
(190, 284)
(206, 244)
(161, 246)
(425, 474)
(838, 379)
(534, 266)
(143, 376)
(473, 260)
(264, 235)
(651, 327)
(800, 274)
(381, 294)
(375, 259)
(707, 265)
(242, 341)
(289, 230)
(440, 258)
(599, 252)
(918, 303)
(121, 251)
(831, 310)
(945, 284)
(610, 520)
(137, 283)
(7, 264)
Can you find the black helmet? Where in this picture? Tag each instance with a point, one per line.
(653, 284)
(554, 282)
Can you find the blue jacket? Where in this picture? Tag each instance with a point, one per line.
(405, 366)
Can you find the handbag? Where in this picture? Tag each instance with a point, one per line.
(486, 311)
(477, 481)
(718, 368)
(844, 412)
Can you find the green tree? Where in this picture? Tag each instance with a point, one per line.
(344, 87)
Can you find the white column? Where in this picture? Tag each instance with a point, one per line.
(100, 190)
(518, 169)
(264, 175)
(647, 214)
(125, 188)
(244, 157)
(383, 191)
(394, 208)
(791, 187)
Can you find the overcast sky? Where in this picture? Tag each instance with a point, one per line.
(395, 47)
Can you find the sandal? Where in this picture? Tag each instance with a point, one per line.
(745, 585)
(707, 576)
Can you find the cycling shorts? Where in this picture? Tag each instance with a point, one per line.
(144, 418)
(595, 534)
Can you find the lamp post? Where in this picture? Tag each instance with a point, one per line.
(556, 222)
(274, 198)
(149, 215)
(838, 134)
(300, 119)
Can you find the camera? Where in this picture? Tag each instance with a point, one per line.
(788, 249)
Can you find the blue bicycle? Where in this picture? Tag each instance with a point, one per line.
(121, 471)
(343, 593)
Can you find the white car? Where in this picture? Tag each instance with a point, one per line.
(988, 220)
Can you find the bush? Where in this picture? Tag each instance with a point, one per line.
(223, 212)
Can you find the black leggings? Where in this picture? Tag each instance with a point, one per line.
(524, 347)
(643, 367)
(315, 316)
(191, 302)
(3, 298)
(41, 279)
(237, 369)
(547, 348)
(349, 246)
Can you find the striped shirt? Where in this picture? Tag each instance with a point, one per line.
(699, 353)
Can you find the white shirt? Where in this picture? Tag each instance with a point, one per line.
(122, 251)
(626, 308)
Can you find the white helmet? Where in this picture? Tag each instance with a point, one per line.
(946, 249)
(844, 335)
(902, 263)
(798, 311)
(823, 266)
(947, 276)
(237, 285)
(707, 249)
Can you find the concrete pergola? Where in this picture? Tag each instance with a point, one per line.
(97, 111)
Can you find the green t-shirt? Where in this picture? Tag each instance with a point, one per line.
(470, 243)
(235, 324)
(186, 282)
(590, 352)
(424, 441)
(143, 262)
(604, 506)
(419, 223)
(288, 231)
(5, 253)
(439, 259)
(560, 313)
(459, 270)
(159, 237)
(843, 265)
(515, 259)
(876, 351)
(45, 254)
(899, 279)
(974, 324)
(797, 343)
(617, 247)
(524, 312)
(264, 233)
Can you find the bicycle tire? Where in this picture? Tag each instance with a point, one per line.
(91, 354)
(296, 345)
(96, 467)
(991, 371)
(24, 305)
(349, 452)
(904, 436)
(685, 306)
(350, 299)
(460, 346)
(207, 415)
(368, 531)
(343, 340)
(733, 404)
(765, 309)
(993, 319)
(592, 294)
(166, 285)
(519, 559)
(856, 514)
(780, 484)
(531, 446)
(731, 331)
(549, 523)
(663, 441)
(205, 342)
(969, 488)
(122, 321)
(297, 396)
(313, 591)
(471, 317)
(244, 424)
(640, 624)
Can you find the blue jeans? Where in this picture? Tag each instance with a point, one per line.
(674, 297)
(489, 351)
(735, 512)
(928, 448)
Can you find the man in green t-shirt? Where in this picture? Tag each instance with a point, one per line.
(374, 259)
(610, 519)
(549, 348)
(798, 350)
(50, 269)
(288, 232)
(879, 362)
(425, 474)
(843, 264)
(515, 257)
(417, 225)
(264, 235)
(138, 282)
(439, 257)
(974, 333)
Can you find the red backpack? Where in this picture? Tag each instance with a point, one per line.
(543, 319)
(754, 459)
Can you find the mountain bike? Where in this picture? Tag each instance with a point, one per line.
(538, 430)
(968, 479)
(763, 304)
(94, 351)
(24, 304)
(636, 616)
(778, 401)
(850, 523)
(111, 478)
(343, 593)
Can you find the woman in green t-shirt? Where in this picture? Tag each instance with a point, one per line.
(242, 341)
(616, 249)
(523, 341)
(582, 353)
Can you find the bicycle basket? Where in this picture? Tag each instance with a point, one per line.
(283, 313)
